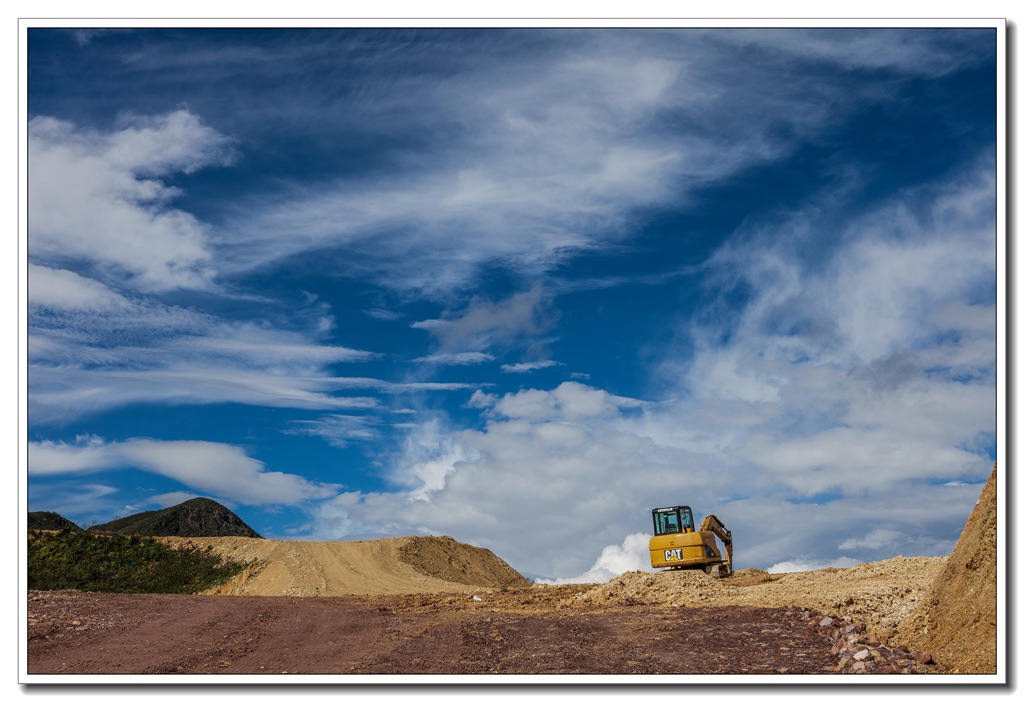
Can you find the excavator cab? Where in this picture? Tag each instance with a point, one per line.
(679, 545)
(672, 520)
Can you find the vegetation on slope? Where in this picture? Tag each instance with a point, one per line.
(197, 517)
(77, 560)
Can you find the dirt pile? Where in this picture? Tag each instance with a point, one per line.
(882, 595)
(445, 558)
(402, 565)
(956, 620)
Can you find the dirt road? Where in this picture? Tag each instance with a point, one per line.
(522, 632)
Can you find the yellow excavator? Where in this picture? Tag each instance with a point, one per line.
(677, 544)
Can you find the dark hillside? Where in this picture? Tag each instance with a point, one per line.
(196, 517)
(50, 521)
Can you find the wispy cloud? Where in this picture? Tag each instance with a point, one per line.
(339, 430)
(929, 53)
(466, 358)
(62, 393)
(528, 366)
(385, 315)
(557, 155)
(113, 351)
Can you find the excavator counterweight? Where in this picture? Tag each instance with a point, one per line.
(678, 544)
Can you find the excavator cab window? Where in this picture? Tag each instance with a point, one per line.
(674, 520)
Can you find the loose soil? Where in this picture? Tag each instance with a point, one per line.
(430, 605)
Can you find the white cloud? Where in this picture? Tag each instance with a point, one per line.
(481, 400)
(632, 555)
(466, 358)
(801, 566)
(265, 348)
(876, 538)
(382, 314)
(92, 349)
(914, 52)
(61, 392)
(867, 364)
(564, 152)
(484, 323)
(212, 468)
(570, 400)
(429, 456)
(99, 198)
(66, 291)
(529, 366)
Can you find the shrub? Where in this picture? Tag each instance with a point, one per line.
(77, 560)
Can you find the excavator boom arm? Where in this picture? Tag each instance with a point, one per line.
(714, 525)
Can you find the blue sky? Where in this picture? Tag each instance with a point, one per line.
(518, 286)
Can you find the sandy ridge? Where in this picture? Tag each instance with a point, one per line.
(395, 566)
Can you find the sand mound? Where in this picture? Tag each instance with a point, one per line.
(403, 565)
(956, 620)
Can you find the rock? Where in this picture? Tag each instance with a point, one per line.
(923, 657)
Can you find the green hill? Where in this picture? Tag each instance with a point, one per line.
(50, 521)
(196, 517)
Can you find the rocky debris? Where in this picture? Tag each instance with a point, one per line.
(678, 588)
(859, 652)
